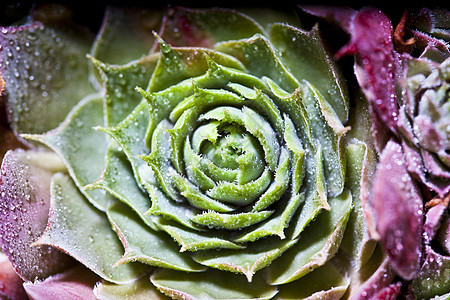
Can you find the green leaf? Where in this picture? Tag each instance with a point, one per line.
(178, 64)
(46, 73)
(195, 240)
(279, 184)
(276, 225)
(230, 221)
(146, 245)
(81, 147)
(118, 179)
(316, 198)
(85, 233)
(139, 289)
(254, 124)
(356, 241)
(248, 261)
(130, 135)
(161, 205)
(328, 132)
(126, 34)
(119, 82)
(294, 144)
(205, 27)
(305, 55)
(316, 245)
(211, 284)
(196, 197)
(260, 58)
(325, 282)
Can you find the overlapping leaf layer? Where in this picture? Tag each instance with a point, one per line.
(220, 150)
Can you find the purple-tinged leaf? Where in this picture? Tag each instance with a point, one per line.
(77, 283)
(379, 280)
(436, 169)
(427, 134)
(389, 293)
(371, 40)
(10, 283)
(444, 234)
(398, 208)
(24, 206)
(415, 165)
(342, 15)
(433, 221)
(376, 61)
(434, 49)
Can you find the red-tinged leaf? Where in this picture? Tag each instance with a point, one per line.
(434, 48)
(340, 14)
(10, 283)
(420, 164)
(398, 208)
(24, 207)
(433, 222)
(389, 293)
(77, 283)
(371, 33)
(203, 28)
(380, 279)
(376, 61)
(444, 234)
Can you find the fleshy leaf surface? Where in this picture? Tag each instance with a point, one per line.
(126, 34)
(325, 282)
(74, 138)
(119, 83)
(257, 256)
(211, 284)
(76, 283)
(146, 245)
(45, 70)
(316, 245)
(85, 234)
(25, 201)
(11, 285)
(399, 222)
(140, 289)
(305, 55)
(204, 28)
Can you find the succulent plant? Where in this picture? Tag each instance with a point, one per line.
(404, 75)
(193, 153)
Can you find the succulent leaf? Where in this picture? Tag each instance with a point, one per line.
(101, 249)
(45, 70)
(216, 145)
(25, 194)
(211, 284)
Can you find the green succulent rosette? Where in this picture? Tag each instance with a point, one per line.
(211, 159)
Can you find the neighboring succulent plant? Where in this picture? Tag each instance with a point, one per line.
(227, 146)
(405, 77)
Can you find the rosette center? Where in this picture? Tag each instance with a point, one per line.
(225, 157)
